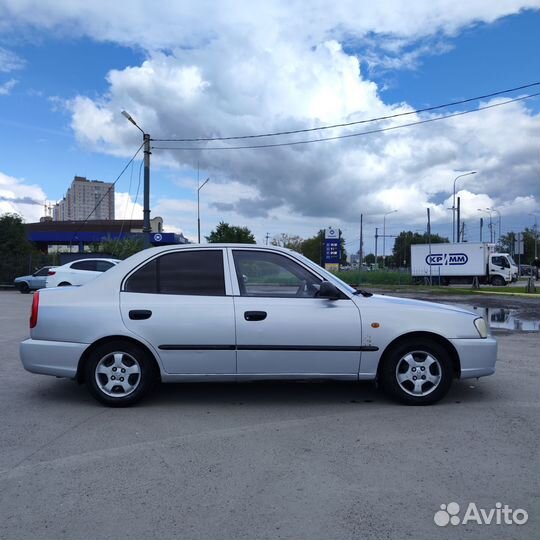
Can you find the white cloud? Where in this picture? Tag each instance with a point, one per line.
(194, 24)
(18, 197)
(270, 66)
(9, 61)
(7, 87)
(126, 208)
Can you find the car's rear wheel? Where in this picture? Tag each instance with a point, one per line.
(119, 373)
(417, 372)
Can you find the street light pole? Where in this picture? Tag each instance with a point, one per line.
(499, 216)
(146, 185)
(535, 235)
(454, 206)
(199, 210)
(384, 236)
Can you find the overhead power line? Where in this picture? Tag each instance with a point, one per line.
(347, 124)
(349, 135)
(104, 195)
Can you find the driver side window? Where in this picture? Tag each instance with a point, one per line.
(261, 273)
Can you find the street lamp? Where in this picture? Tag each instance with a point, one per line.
(488, 211)
(199, 209)
(384, 236)
(146, 188)
(454, 206)
(535, 234)
(499, 215)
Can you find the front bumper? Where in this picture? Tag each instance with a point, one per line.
(58, 358)
(477, 356)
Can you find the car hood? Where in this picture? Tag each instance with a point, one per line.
(395, 302)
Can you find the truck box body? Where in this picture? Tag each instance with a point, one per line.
(462, 262)
(446, 260)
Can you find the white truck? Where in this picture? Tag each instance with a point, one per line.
(462, 263)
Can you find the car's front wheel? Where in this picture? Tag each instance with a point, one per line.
(119, 373)
(24, 288)
(418, 372)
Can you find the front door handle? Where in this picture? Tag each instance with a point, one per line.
(255, 315)
(139, 314)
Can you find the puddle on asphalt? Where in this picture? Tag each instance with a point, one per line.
(507, 319)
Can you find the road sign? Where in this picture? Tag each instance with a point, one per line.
(331, 234)
(332, 251)
(518, 245)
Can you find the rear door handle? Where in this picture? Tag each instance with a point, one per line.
(139, 314)
(255, 315)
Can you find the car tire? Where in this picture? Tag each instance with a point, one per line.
(409, 363)
(24, 288)
(498, 281)
(119, 373)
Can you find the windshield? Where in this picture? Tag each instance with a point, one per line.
(512, 262)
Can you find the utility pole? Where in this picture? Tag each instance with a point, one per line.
(146, 185)
(361, 250)
(199, 207)
(454, 204)
(376, 239)
(267, 237)
(481, 229)
(146, 201)
(429, 241)
(458, 217)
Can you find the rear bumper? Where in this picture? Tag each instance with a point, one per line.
(58, 358)
(477, 356)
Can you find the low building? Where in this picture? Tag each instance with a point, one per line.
(78, 234)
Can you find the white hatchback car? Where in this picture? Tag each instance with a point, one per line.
(78, 272)
(246, 312)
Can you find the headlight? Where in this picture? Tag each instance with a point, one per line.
(481, 326)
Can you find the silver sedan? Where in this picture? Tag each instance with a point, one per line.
(245, 312)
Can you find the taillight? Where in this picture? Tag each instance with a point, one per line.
(34, 312)
(51, 273)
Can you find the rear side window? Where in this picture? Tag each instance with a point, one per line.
(102, 266)
(186, 273)
(84, 265)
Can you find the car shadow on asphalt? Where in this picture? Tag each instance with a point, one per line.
(265, 393)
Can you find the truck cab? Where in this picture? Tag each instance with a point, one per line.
(502, 269)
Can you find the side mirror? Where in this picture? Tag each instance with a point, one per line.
(329, 290)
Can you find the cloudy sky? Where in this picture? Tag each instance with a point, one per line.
(188, 70)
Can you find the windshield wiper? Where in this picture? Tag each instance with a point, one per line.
(363, 292)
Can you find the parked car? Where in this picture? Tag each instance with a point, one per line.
(242, 312)
(33, 282)
(78, 272)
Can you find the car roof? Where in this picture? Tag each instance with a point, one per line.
(94, 259)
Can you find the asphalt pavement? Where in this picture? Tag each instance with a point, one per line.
(318, 460)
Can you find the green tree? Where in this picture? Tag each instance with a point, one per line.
(288, 241)
(18, 255)
(507, 244)
(231, 234)
(401, 251)
(369, 258)
(13, 239)
(120, 249)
